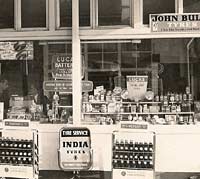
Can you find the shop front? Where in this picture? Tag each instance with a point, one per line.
(109, 89)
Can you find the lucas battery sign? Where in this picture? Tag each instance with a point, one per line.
(74, 150)
(62, 66)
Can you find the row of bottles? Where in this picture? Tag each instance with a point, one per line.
(131, 164)
(17, 151)
(9, 152)
(15, 143)
(131, 154)
(125, 145)
(16, 160)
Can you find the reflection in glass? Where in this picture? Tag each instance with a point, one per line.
(113, 12)
(35, 15)
(6, 14)
(157, 7)
(191, 6)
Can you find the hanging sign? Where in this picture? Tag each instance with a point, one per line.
(137, 87)
(66, 86)
(62, 66)
(74, 148)
(187, 22)
(16, 50)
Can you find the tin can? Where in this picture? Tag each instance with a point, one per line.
(157, 99)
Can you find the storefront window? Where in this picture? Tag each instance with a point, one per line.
(66, 13)
(113, 12)
(36, 88)
(35, 16)
(137, 77)
(191, 6)
(6, 14)
(157, 7)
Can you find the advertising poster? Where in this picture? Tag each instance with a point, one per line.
(137, 87)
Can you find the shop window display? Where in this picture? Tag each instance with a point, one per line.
(157, 7)
(7, 14)
(34, 16)
(113, 12)
(27, 71)
(149, 65)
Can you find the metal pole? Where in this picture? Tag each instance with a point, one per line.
(188, 62)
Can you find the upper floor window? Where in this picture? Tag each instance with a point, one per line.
(33, 13)
(6, 14)
(113, 12)
(65, 11)
(157, 7)
(191, 6)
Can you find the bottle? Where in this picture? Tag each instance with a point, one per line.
(122, 145)
(132, 164)
(150, 147)
(131, 156)
(116, 146)
(131, 145)
(136, 147)
(141, 147)
(115, 163)
(116, 156)
(126, 145)
(145, 147)
(30, 160)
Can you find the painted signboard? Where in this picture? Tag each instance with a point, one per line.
(187, 22)
(62, 66)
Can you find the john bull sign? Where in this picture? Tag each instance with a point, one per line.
(74, 150)
(187, 22)
(62, 66)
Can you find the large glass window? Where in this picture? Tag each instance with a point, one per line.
(66, 13)
(33, 13)
(191, 6)
(113, 12)
(157, 7)
(6, 14)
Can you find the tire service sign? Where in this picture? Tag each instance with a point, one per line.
(62, 66)
(75, 149)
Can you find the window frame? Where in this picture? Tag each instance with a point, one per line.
(113, 26)
(19, 9)
(57, 18)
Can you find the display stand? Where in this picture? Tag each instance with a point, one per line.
(19, 150)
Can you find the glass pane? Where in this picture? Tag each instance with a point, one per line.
(33, 13)
(128, 60)
(66, 13)
(95, 61)
(84, 11)
(113, 12)
(157, 7)
(144, 60)
(6, 14)
(191, 6)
